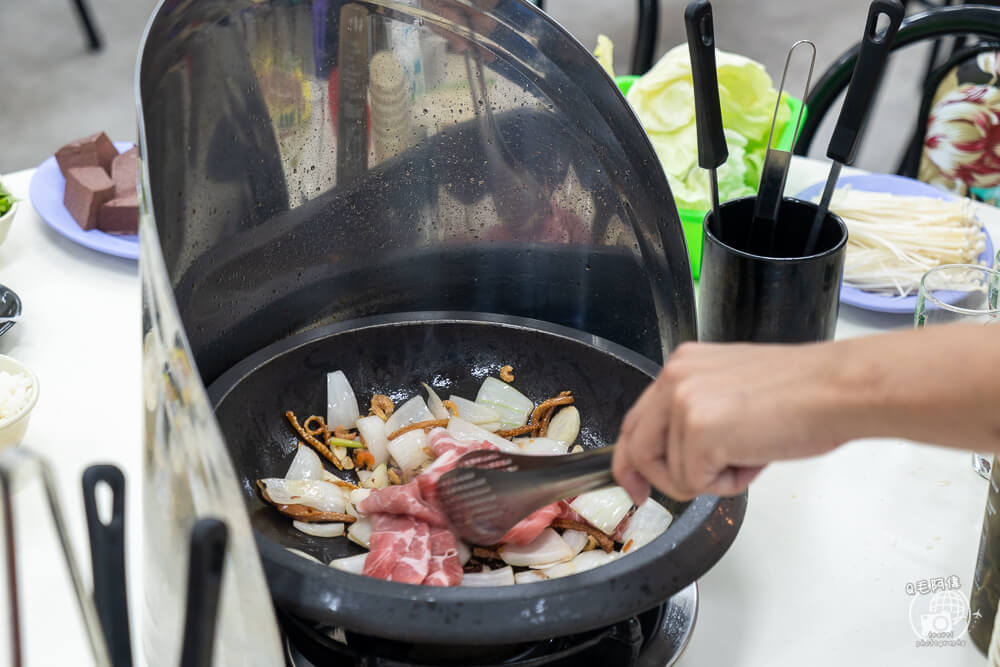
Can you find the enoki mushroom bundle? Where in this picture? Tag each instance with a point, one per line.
(893, 240)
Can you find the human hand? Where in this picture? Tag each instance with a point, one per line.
(717, 414)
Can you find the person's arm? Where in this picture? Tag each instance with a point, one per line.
(717, 414)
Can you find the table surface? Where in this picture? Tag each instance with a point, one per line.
(817, 575)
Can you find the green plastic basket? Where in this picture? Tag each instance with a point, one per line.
(692, 221)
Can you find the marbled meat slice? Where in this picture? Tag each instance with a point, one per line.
(399, 549)
(428, 479)
(441, 441)
(414, 563)
(444, 568)
(389, 538)
(404, 499)
(530, 527)
(568, 513)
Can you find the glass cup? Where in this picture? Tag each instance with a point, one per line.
(960, 293)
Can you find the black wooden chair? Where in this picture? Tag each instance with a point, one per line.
(958, 43)
(935, 24)
(94, 42)
(645, 34)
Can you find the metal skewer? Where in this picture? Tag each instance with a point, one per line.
(776, 162)
(21, 461)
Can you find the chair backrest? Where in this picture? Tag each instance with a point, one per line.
(956, 139)
(982, 21)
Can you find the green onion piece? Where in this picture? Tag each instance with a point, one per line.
(341, 442)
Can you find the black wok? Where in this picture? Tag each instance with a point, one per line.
(453, 352)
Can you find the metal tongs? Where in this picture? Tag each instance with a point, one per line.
(105, 615)
(775, 170)
(490, 491)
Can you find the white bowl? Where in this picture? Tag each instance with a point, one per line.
(6, 219)
(12, 431)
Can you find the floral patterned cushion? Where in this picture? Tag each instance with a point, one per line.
(961, 151)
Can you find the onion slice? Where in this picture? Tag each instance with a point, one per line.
(541, 446)
(414, 410)
(305, 465)
(464, 552)
(313, 493)
(529, 577)
(409, 450)
(603, 509)
(435, 404)
(575, 539)
(544, 550)
(303, 554)
(565, 425)
(512, 406)
(588, 560)
(357, 495)
(360, 532)
(373, 434)
(352, 564)
(477, 414)
(650, 520)
(319, 529)
(466, 432)
(341, 404)
(501, 577)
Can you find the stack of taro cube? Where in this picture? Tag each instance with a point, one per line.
(100, 184)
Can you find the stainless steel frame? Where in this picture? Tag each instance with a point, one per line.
(308, 162)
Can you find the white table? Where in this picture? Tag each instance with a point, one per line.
(81, 337)
(817, 575)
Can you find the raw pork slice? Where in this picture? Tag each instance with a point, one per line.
(568, 513)
(404, 499)
(441, 441)
(400, 549)
(530, 527)
(445, 568)
(428, 479)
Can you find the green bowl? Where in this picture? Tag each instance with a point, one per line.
(691, 220)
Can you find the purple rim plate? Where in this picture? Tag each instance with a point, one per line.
(46, 195)
(897, 185)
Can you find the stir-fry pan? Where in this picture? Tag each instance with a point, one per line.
(453, 352)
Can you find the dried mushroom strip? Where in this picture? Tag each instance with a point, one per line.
(544, 410)
(430, 423)
(600, 538)
(486, 553)
(304, 513)
(450, 407)
(320, 447)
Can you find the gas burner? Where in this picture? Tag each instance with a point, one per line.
(654, 638)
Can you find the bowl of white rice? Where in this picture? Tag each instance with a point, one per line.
(18, 395)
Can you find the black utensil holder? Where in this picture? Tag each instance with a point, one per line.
(756, 285)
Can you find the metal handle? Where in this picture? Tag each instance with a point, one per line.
(107, 550)
(576, 474)
(712, 149)
(875, 47)
(205, 567)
